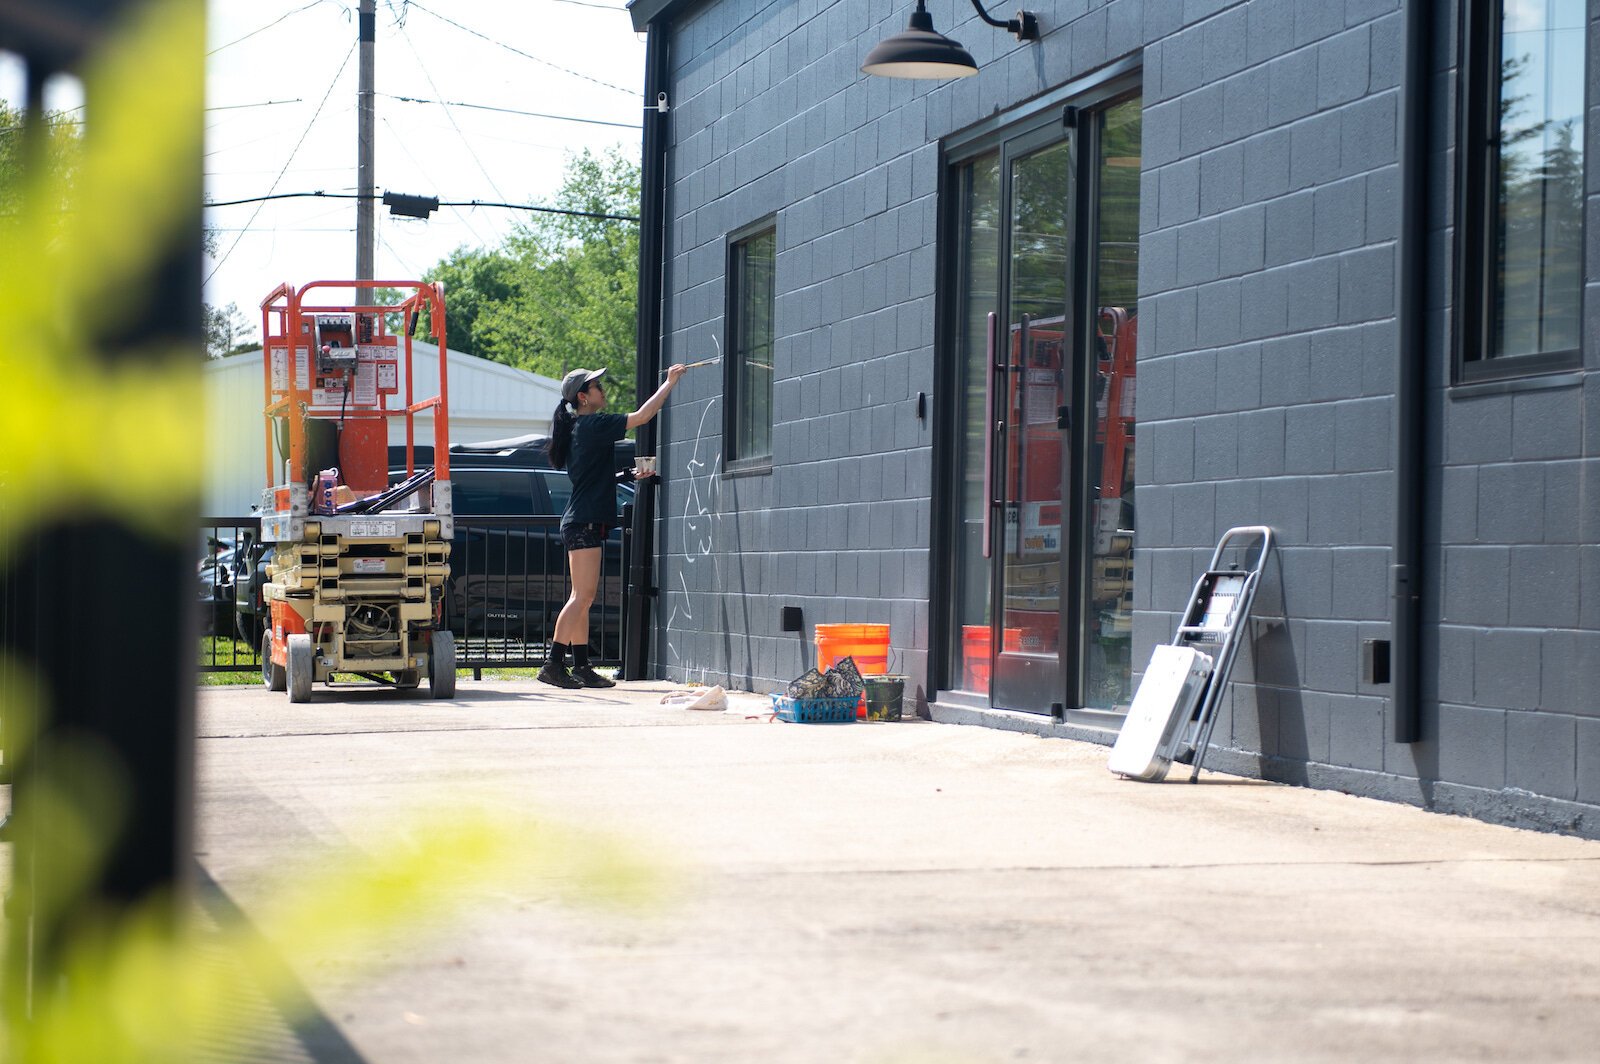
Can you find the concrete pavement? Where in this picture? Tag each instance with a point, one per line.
(903, 892)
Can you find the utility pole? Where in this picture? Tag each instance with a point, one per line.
(365, 236)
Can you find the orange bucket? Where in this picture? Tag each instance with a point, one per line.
(976, 644)
(868, 644)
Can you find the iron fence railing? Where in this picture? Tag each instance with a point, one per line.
(508, 581)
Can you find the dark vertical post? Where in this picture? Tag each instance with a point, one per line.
(1411, 282)
(365, 117)
(106, 617)
(652, 250)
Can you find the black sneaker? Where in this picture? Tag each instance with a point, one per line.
(558, 676)
(586, 675)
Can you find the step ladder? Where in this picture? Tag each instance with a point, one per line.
(1171, 723)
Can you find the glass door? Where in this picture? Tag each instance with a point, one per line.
(1106, 637)
(1042, 335)
(1031, 394)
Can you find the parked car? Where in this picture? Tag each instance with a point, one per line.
(249, 565)
(216, 597)
(507, 564)
(519, 452)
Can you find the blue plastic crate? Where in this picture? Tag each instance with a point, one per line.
(816, 710)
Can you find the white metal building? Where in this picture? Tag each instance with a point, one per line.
(488, 401)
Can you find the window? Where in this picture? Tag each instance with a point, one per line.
(1520, 232)
(559, 486)
(492, 492)
(752, 258)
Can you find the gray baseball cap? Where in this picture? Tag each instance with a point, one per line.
(577, 380)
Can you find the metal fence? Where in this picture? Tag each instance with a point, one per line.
(508, 581)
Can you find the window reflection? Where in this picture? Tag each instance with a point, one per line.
(978, 183)
(1539, 198)
(754, 262)
(1108, 625)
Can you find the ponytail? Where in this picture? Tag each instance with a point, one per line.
(561, 423)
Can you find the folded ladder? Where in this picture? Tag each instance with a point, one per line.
(1174, 710)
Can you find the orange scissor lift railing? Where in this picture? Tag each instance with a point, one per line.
(359, 565)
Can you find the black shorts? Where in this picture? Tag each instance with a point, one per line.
(584, 536)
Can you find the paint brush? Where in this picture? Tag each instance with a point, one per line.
(712, 361)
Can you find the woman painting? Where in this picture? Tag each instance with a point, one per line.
(581, 442)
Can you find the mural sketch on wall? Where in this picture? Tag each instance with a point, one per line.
(701, 510)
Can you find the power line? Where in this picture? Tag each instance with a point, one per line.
(423, 170)
(263, 103)
(286, 163)
(319, 194)
(253, 173)
(287, 229)
(465, 143)
(518, 51)
(511, 111)
(588, 3)
(411, 271)
(268, 26)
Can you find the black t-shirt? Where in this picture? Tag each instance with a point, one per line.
(591, 464)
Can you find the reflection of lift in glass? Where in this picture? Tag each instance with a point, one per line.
(1175, 707)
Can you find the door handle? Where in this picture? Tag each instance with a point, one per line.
(1021, 422)
(989, 429)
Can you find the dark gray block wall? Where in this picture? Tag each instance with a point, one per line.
(1270, 215)
(1268, 254)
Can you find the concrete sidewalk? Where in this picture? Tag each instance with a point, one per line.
(904, 892)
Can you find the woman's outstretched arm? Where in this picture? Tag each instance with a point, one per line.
(652, 405)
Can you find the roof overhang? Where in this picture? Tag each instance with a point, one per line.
(644, 12)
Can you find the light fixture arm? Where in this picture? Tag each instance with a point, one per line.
(1025, 27)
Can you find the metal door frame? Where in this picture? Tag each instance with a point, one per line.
(1019, 145)
(1080, 101)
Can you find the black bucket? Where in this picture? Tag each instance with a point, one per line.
(884, 697)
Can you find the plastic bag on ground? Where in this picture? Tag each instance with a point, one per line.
(710, 698)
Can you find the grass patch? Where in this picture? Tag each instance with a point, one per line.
(226, 650)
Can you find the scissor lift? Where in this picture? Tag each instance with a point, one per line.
(356, 580)
(1175, 708)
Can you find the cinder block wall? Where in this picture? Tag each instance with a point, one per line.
(772, 118)
(1513, 665)
(1268, 253)
(1270, 214)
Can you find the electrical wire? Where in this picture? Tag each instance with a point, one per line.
(320, 194)
(287, 162)
(253, 173)
(589, 3)
(263, 103)
(423, 170)
(517, 51)
(269, 25)
(288, 229)
(410, 271)
(511, 111)
(465, 143)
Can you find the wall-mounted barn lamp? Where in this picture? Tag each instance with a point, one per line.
(919, 52)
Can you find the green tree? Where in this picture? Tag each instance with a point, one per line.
(475, 280)
(59, 146)
(561, 291)
(228, 331)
